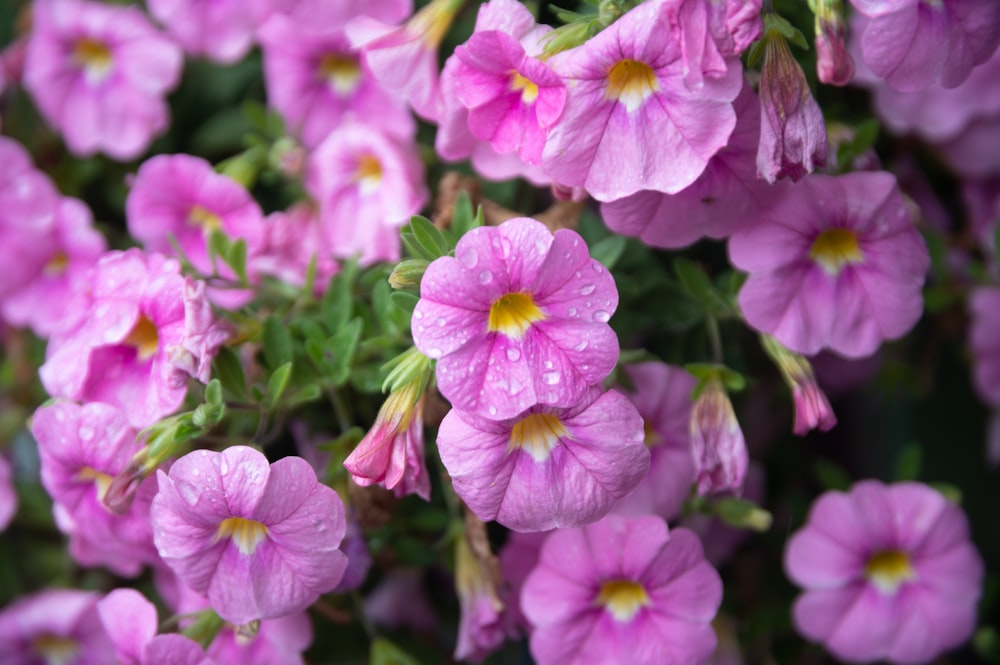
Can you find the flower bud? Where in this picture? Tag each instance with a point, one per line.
(834, 64)
(720, 451)
(812, 409)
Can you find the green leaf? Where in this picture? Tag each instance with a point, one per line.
(236, 257)
(608, 250)
(429, 236)
(908, 463)
(218, 245)
(213, 392)
(278, 382)
(340, 351)
(228, 369)
(404, 299)
(464, 219)
(831, 476)
(337, 304)
(309, 393)
(385, 652)
(277, 342)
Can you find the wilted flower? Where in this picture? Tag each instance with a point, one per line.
(812, 409)
(834, 64)
(8, 497)
(792, 133)
(477, 577)
(888, 573)
(720, 452)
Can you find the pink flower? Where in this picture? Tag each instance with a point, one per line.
(518, 557)
(663, 398)
(518, 317)
(837, 264)
(28, 205)
(184, 198)
(316, 80)
(292, 240)
(887, 571)
(81, 449)
(984, 341)
(55, 626)
(622, 590)
(148, 330)
(8, 496)
(954, 37)
(548, 467)
(221, 30)
(98, 73)
(392, 452)
(404, 58)
(480, 625)
(812, 409)
(368, 184)
(513, 98)
(57, 300)
(259, 540)
(834, 64)
(726, 196)
(717, 443)
(631, 122)
(792, 132)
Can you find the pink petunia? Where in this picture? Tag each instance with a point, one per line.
(954, 36)
(517, 317)
(622, 590)
(81, 449)
(631, 122)
(546, 468)
(662, 396)
(717, 443)
(316, 80)
(887, 572)
(57, 300)
(182, 198)
(259, 540)
(148, 330)
(55, 626)
(221, 30)
(293, 240)
(984, 341)
(99, 74)
(368, 184)
(837, 264)
(8, 495)
(726, 196)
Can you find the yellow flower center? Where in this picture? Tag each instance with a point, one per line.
(623, 598)
(101, 480)
(55, 649)
(527, 88)
(652, 437)
(834, 249)
(341, 72)
(368, 173)
(537, 434)
(247, 534)
(205, 218)
(94, 57)
(631, 82)
(513, 313)
(56, 265)
(144, 337)
(888, 570)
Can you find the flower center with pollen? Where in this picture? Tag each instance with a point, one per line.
(623, 598)
(341, 72)
(631, 82)
(368, 173)
(93, 57)
(55, 649)
(101, 480)
(144, 337)
(888, 570)
(513, 313)
(537, 434)
(527, 88)
(203, 217)
(836, 248)
(247, 534)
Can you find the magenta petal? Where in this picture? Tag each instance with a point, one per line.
(130, 621)
(174, 649)
(818, 613)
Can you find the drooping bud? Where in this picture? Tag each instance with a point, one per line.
(812, 409)
(477, 579)
(834, 64)
(792, 134)
(720, 451)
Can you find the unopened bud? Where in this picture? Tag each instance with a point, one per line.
(834, 64)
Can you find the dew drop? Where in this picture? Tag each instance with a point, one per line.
(223, 467)
(469, 258)
(417, 314)
(571, 311)
(440, 322)
(513, 354)
(597, 267)
(434, 353)
(492, 410)
(602, 316)
(485, 277)
(86, 433)
(551, 378)
(548, 364)
(581, 346)
(587, 289)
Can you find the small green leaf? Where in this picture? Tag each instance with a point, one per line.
(277, 342)
(237, 259)
(218, 245)
(385, 652)
(340, 351)
(404, 299)
(278, 382)
(909, 462)
(608, 250)
(229, 370)
(213, 392)
(429, 236)
(464, 219)
(831, 476)
(309, 393)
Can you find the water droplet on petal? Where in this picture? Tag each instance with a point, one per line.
(548, 364)
(602, 316)
(598, 268)
(485, 277)
(440, 322)
(572, 312)
(513, 354)
(469, 258)
(551, 378)
(492, 410)
(581, 346)
(434, 353)
(587, 289)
